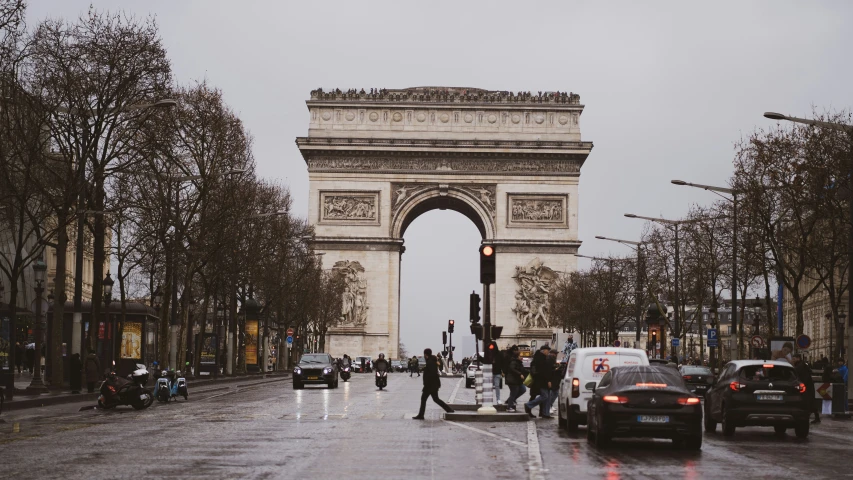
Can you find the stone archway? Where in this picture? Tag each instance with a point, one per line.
(509, 162)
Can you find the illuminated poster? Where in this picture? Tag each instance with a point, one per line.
(131, 341)
(208, 349)
(251, 342)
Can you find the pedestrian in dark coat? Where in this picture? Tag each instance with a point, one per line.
(92, 367)
(432, 382)
(804, 374)
(515, 375)
(75, 373)
(19, 356)
(543, 372)
(31, 357)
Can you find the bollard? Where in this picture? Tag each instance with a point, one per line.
(478, 386)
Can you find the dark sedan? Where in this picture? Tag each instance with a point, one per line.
(644, 401)
(315, 368)
(758, 393)
(698, 379)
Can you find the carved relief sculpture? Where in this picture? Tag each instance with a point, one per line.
(485, 193)
(354, 298)
(537, 210)
(531, 299)
(349, 207)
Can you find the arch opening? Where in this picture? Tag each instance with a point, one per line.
(454, 199)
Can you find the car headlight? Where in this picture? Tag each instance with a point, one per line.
(327, 370)
(297, 371)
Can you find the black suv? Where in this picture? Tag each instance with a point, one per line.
(697, 378)
(315, 368)
(758, 393)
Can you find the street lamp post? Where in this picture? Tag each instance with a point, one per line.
(677, 317)
(734, 349)
(108, 298)
(849, 130)
(39, 269)
(639, 289)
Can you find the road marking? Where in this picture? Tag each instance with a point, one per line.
(490, 434)
(455, 391)
(534, 456)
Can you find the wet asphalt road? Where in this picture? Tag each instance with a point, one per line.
(271, 431)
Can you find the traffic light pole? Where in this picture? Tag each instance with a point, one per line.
(487, 407)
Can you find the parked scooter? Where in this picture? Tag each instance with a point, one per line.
(131, 391)
(170, 385)
(381, 379)
(345, 373)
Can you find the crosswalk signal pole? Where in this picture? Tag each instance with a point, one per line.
(487, 277)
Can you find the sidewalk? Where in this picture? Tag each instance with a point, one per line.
(22, 400)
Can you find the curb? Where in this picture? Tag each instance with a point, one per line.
(61, 398)
(473, 407)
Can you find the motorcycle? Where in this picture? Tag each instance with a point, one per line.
(117, 391)
(345, 373)
(381, 379)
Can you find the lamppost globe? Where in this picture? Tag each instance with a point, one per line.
(157, 297)
(39, 269)
(108, 288)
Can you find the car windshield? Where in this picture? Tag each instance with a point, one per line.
(647, 377)
(696, 371)
(314, 359)
(767, 372)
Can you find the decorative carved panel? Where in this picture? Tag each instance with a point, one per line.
(349, 207)
(484, 193)
(537, 210)
(534, 282)
(354, 297)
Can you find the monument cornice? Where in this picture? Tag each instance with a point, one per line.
(444, 96)
(450, 144)
(534, 246)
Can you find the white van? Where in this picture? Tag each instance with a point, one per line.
(585, 368)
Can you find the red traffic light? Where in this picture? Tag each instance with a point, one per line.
(491, 346)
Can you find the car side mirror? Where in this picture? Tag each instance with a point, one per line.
(590, 386)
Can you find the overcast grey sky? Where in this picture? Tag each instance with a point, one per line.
(668, 88)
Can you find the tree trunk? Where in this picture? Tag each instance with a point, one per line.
(56, 364)
(98, 256)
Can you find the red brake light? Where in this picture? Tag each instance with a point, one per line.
(736, 386)
(687, 377)
(610, 353)
(614, 399)
(802, 387)
(688, 401)
(576, 388)
(652, 385)
(768, 365)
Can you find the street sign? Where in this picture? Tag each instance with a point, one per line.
(712, 343)
(756, 341)
(804, 342)
(712, 334)
(616, 343)
(289, 339)
(825, 391)
(533, 344)
(289, 332)
(676, 342)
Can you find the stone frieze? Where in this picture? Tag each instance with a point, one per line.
(433, 165)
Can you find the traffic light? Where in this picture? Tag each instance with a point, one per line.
(450, 325)
(489, 354)
(475, 308)
(477, 330)
(487, 264)
(444, 338)
(496, 332)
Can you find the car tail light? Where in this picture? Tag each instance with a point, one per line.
(576, 388)
(802, 388)
(688, 377)
(614, 399)
(652, 385)
(768, 365)
(736, 386)
(688, 401)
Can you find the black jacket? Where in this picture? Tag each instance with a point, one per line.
(432, 381)
(382, 364)
(498, 363)
(804, 374)
(515, 373)
(541, 370)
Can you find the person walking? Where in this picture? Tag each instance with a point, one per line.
(31, 357)
(414, 367)
(497, 372)
(569, 347)
(92, 367)
(19, 356)
(804, 374)
(432, 382)
(75, 373)
(515, 375)
(542, 374)
(555, 369)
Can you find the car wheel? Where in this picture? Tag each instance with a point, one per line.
(710, 423)
(693, 443)
(779, 429)
(802, 429)
(601, 439)
(561, 422)
(571, 420)
(728, 426)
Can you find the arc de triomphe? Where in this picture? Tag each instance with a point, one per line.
(508, 161)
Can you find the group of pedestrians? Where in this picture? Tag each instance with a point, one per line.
(543, 378)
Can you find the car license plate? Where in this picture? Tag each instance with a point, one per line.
(652, 418)
(774, 398)
(313, 378)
